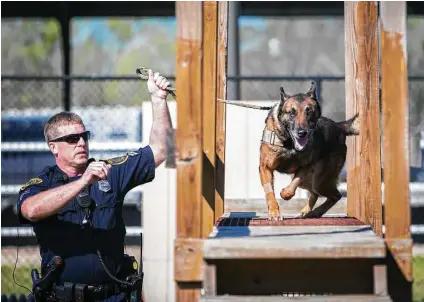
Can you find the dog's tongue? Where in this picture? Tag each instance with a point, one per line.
(300, 143)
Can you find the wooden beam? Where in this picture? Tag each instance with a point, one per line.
(210, 21)
(363, 158)
(189, 130)
(395, 146)
(220, 109)
(188, 260)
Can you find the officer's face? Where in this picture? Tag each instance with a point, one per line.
(71, 153)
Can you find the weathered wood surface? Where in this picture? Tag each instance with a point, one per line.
(362, 97)
(287, 208)
(189, 151)
(220, 107)
(347, 298)
(188, 260)
(395, 111)
(293, 242)
(210, 19)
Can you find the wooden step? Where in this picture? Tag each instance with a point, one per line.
(254, 237)
(338, 298)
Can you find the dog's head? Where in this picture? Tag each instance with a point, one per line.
(298, 115)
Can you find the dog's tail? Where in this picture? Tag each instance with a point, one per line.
(236, 103)
(351, 126)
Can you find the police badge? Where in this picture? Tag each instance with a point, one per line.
(104, 186)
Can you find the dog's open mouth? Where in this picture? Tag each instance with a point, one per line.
(299, 143)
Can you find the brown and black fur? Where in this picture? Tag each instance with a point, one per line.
(317, 167)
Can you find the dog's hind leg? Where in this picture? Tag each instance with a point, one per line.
(324, 183)
(333, 196)
(309, 206)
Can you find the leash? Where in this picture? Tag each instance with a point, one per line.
(143, 73)
(241, 104)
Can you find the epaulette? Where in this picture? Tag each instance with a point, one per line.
(119, 160)
(32, 181)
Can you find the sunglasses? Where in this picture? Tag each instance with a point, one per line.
(73, 138)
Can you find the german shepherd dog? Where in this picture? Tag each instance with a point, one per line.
(297, 140)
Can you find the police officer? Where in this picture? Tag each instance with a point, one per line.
(86, 236)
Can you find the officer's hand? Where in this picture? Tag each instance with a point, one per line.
(95, 171)
(157, 84)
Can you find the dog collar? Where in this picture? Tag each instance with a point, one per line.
(270, 137)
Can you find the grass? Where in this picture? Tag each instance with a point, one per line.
(23, 277)
(418, 286)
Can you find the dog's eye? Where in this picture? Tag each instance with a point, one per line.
(292, 112)
(308, 111)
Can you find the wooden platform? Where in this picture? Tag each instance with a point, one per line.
(252, 236)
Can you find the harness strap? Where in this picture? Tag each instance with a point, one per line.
(270, 137)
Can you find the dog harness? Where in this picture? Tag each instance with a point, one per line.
(270, 137)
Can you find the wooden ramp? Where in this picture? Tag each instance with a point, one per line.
(334, 258)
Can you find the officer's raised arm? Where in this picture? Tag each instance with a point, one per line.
(161, 125)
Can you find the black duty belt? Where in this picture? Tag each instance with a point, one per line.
(83, 292)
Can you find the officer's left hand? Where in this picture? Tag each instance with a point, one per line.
(157, 85)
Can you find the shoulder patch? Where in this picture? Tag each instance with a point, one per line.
(32, 181)
(116, 161)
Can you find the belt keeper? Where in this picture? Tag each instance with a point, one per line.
(80, 291)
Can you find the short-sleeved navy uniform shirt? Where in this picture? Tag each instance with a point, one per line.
(63, 235)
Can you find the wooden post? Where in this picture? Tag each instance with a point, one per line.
(395, 148)
(210, 21)
(189, 132)
(363, 158)
(220, 109)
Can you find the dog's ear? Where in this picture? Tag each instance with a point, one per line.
(284, 96)
(312, 91)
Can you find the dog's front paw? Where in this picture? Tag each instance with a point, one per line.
(274, 214)
(286, 194)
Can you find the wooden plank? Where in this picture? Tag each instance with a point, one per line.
(188, 260)
(395, 129)
(347, 298)
(352, 107)
(189, 129)
(209, 280)
(268, 242)
(210, 16)
(362, 96)
(288, 209)
(380, 280)
(220, 109)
